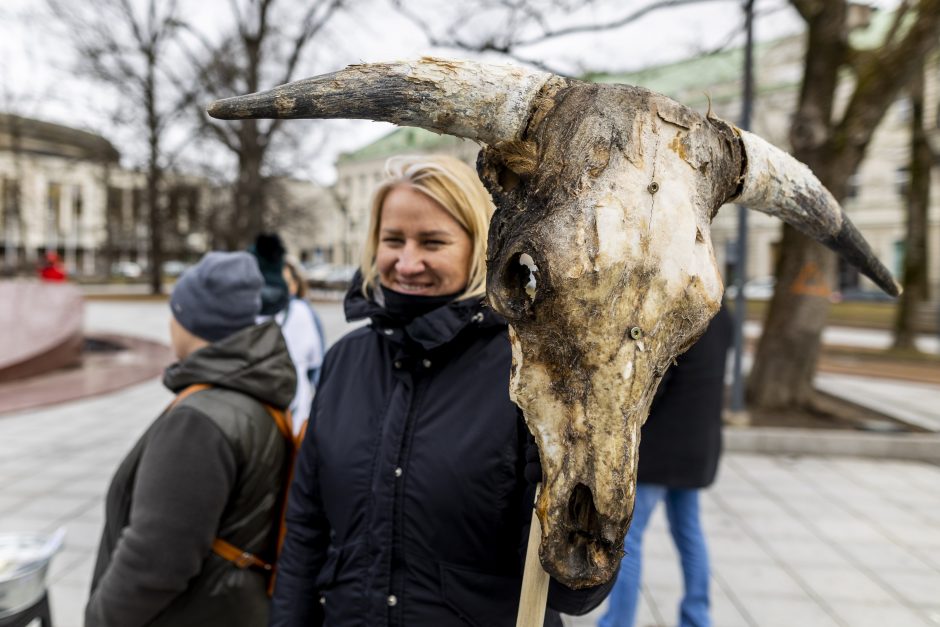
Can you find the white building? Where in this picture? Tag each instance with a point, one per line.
(52, 186)
(63, 190)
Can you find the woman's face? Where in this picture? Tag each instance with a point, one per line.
(422, 249)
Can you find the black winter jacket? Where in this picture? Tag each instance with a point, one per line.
(680, 444)
(409, 506)
(212, 466)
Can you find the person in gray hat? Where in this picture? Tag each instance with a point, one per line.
(205, 480)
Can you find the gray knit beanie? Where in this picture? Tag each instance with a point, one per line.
(218, 296)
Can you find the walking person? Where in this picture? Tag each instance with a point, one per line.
(204, 482)
(299, 324)
(409, 506)
(306, 342)
(680, 446)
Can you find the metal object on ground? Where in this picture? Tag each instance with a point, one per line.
(24, 561)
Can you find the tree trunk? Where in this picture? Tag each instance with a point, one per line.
(155, 222)
(914, 278)
(782, 375)
(250, 194)
(785, 362)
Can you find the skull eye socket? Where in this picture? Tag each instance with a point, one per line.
(519, 284)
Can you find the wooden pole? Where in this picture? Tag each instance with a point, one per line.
(534, 580)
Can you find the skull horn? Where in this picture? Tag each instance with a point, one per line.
(777, 184)
(486, 102)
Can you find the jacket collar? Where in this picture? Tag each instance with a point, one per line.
(430, 331)
(254, 361)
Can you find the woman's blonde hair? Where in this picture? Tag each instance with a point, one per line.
(453, 185)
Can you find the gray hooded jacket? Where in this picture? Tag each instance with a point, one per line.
(212, 466)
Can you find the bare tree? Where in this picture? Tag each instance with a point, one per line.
(127, 46)
(267, 47)
(833, 145)
(517, 28)
(914, 277)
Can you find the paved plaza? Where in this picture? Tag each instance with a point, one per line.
(795, 541)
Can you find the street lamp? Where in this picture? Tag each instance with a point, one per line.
(740, 307)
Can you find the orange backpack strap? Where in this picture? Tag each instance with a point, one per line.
(285, 426)
(241, 559)
(227, 550)
(189, 391)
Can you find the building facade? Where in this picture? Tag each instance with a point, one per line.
(63, 190)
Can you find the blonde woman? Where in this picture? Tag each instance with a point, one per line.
(409, 505)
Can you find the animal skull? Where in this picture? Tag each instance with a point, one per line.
(599, 254)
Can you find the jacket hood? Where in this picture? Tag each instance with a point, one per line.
(431, 330)
(253, 361)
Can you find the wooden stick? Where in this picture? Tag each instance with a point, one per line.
(534, 580)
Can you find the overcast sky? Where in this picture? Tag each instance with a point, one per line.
(36, 63)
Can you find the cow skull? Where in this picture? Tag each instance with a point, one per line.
(599, 255)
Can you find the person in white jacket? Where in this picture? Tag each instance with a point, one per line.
(306, 343)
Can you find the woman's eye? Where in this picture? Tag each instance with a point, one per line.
(392, 240)
(434, 243)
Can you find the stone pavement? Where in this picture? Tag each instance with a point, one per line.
(794, 540)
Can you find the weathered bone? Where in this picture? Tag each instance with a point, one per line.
(444, 96)
(779, 185)
(599, 256)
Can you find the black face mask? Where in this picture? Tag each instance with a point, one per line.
(406, 307)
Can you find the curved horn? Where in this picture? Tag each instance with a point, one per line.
(481, 101)
(777, 184)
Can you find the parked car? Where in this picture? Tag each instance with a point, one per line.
(173, 268)
(317, 272)
(127, 269)
(755, 289)
(857, 294)
(340, 277)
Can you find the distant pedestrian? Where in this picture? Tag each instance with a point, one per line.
(51, 268)
(306, 342)
(680, 446)
(202, 487)
(269, 251)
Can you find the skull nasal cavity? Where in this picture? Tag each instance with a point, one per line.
(581, 508)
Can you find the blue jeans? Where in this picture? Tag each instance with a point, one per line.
(685, 526)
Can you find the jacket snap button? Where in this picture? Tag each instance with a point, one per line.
(388, 331)
(322, 600)
(426, 363)
(398, 365)
(477, 317)
(392, 600)
(398, 472)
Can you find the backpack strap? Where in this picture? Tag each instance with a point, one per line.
(241, 559)
(189, 391)
(228, 551)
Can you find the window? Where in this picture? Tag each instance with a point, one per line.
(137, 207)
(902, 181)
(9, 202)
(903, 109)
(852, 186)
(898, 258)
(115, 209)
(54, 209)
(78, 206)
